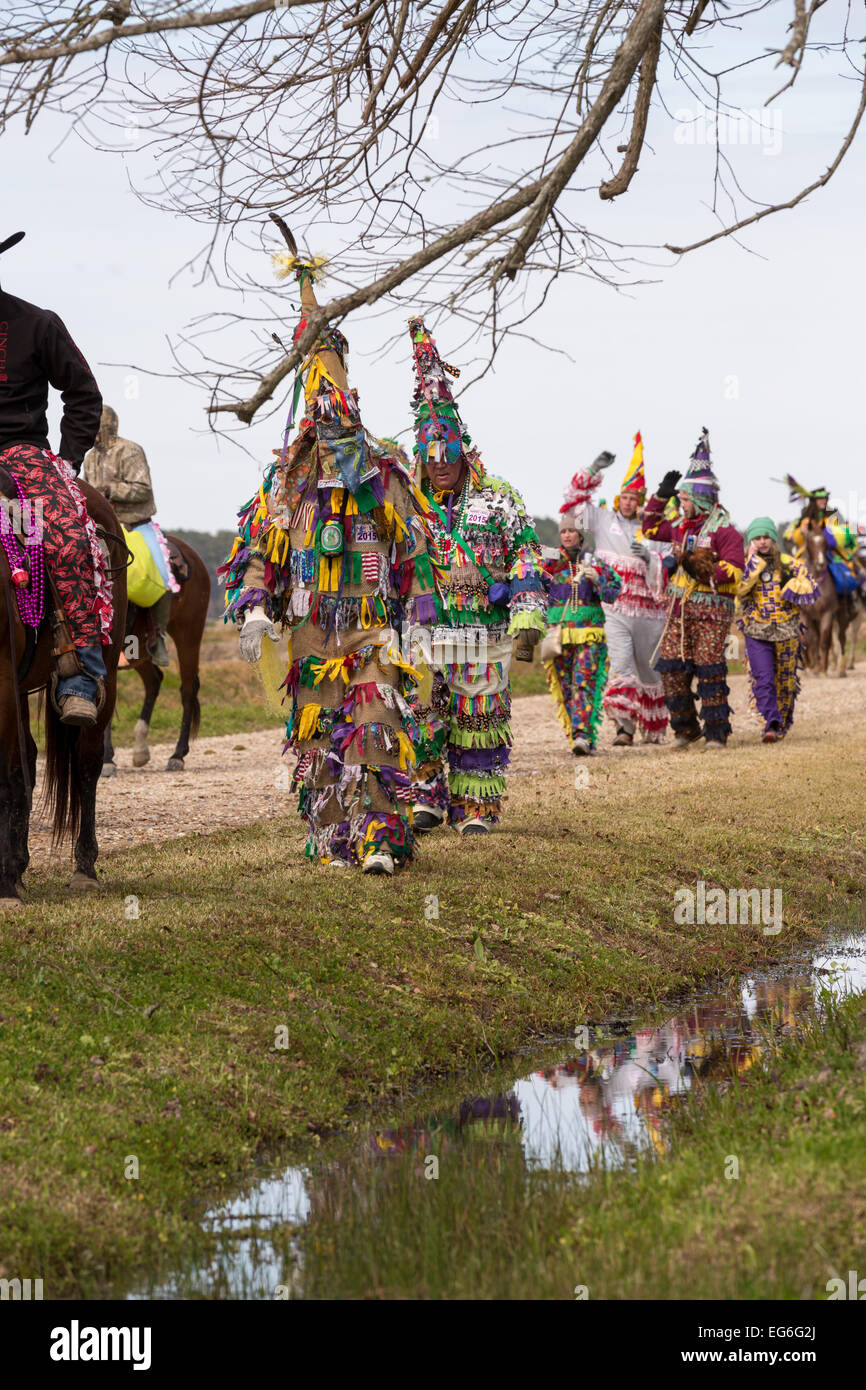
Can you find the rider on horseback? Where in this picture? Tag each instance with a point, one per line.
(36, 352)
(118, 469)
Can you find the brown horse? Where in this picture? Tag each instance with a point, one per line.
(189, 611)
(73, 756)
(827, 610)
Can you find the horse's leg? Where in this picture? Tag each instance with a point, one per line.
(824, 636)
(21, 823)
(188, 656)
(152, 677)
(109, 766)
(13, 806)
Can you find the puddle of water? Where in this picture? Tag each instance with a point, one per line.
(573, 1112)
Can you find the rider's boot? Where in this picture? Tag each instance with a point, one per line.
(160, 614)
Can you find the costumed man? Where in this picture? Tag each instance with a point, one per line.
(118, 469)
(634, 699)
(333, 549)
(489, 578)
(771, 594)
(708, 560)
(36, 351)
(574, 652)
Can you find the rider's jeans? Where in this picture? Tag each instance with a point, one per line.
(92, 669)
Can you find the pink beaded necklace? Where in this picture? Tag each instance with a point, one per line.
(26, 566)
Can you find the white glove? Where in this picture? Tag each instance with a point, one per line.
(257, 625)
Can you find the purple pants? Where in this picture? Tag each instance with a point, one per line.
(762, 665)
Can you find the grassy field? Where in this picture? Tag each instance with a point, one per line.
(759, 1196)
(141, 1027)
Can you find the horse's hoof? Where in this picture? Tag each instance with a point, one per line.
(82, 883)
(174, 765)
(140, 757)
(109, 770)
(7, 904)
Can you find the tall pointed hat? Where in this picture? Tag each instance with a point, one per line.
(332, 409)
(634, 481)
(439, 430)
(700, 482)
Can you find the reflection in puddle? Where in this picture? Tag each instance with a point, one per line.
(600, 1107)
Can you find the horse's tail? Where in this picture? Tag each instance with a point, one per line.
(62, 793)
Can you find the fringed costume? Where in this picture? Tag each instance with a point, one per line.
(576, 675)
(772, 595)
(634, 699)
(333, 549)
(701, 604)
(488, 563)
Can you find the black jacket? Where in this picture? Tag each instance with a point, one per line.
(36, 352)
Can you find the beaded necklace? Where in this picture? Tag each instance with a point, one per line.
(26, 566)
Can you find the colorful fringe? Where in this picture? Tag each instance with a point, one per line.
(576, 680)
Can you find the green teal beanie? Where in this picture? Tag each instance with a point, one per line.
(762, 526)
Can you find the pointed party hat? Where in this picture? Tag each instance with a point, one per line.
(634, 480)
(439, 430)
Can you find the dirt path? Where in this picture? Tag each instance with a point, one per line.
(236, 779)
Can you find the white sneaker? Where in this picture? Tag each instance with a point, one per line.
(379, 861)
(476, 826)
(336, 864)
(426, 818)
(581, 748)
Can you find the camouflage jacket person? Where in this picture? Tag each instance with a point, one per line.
(118, 469)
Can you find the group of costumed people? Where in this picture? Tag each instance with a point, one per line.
(406, 589)
(403, 596)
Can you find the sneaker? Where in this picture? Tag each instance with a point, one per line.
(581, 748)
(379, 861)
(476, 826)
(714, 745)
(685, 740)
(426, 818)
(336, 863)
(772, 736)
(623, 739)
(77, 711)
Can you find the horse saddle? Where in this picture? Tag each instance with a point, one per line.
(179, 564)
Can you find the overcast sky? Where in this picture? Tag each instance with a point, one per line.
(766, 349)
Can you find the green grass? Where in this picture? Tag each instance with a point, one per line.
(154, 1035)
(760, 1196)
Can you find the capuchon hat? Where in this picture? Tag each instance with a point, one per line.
(700, 482)
(439, 431)
(762, 526)
(332, 408)
(634, 481)
(11, 241)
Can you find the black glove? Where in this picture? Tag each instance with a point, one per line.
(668, 485)
(670, 563)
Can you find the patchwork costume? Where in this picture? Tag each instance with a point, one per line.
(634, 698)
(489, 580)
(333, 549)
(576, 675)
(38, 352)
(771, 599)
(701, 602)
